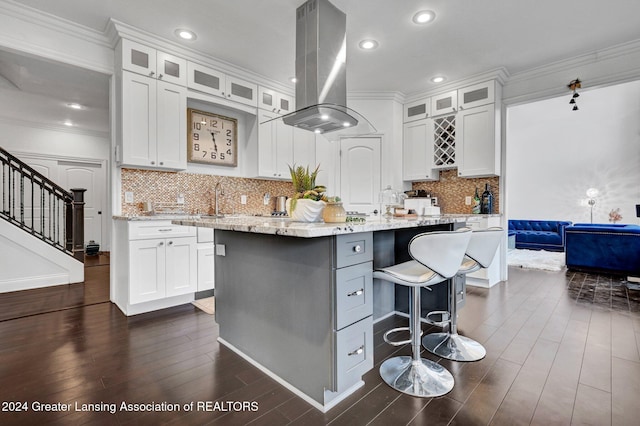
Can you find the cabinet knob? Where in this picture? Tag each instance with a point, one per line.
(151, 74)
(153, 162)
(460, 107)
(161, 163)
(160, 243)
(357, 351)
(170, 243)
(357, 248)
(229, 95)
(160, 76)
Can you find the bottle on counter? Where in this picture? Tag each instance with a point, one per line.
(486, 204)
(475, 204)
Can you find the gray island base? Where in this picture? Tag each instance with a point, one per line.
(299, 302)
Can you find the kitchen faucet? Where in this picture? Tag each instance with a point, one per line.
(218, 192)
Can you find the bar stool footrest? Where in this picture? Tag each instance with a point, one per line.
(445, 319)
(385, 336)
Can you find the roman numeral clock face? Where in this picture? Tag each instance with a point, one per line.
(213, 138)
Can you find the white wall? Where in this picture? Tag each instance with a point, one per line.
(23, 137)
(554, 154)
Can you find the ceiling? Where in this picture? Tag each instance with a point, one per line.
(467, 37)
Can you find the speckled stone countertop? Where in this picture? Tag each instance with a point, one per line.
(287, 227)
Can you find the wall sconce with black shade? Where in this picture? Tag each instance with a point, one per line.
(574, 85)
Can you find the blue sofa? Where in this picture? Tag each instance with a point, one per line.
(611, 248)
(539, 234)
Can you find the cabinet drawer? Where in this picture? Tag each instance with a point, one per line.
(353, 248)
(354, 353)
(354, 294)
(205, 235)
(158, 229)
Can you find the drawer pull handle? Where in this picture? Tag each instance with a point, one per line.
(357, 248)
(356, 293)
(164, 230)
(357, 351)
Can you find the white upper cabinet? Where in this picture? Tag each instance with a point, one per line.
(205, 79)
(214, 82)
(153, 63)
(153, 123)
(478, 150)
(273, 101)
(417, 110)
(446, 103)
(477, 95)
(241, 91)
(275, 147)
(417, 151)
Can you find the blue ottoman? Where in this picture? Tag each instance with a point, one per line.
(610, 248)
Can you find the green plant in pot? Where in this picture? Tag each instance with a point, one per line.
(308, 201)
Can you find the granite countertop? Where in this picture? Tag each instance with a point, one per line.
(287, 227)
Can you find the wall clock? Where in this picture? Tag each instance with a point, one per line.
(212, 139)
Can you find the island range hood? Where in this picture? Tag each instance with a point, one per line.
(321, 73)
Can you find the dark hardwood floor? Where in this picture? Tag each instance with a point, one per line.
(562, 348)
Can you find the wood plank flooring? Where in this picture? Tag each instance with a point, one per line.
(562, 348)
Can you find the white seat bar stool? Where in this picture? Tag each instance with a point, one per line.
(437, 257)
(450, 345)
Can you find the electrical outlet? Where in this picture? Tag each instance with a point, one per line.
(243, 199)
(180, 199)
(467, 200)
(128, 197)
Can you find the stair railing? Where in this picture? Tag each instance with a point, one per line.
(41, 207)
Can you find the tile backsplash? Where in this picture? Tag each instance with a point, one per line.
(198, 191)
(451, 191)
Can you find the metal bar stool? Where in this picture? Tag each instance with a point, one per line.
(450, 345)
(437, 257)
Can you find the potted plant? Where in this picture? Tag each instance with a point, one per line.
(307, 203)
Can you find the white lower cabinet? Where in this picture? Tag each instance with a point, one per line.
(206, 259)
(485, 277)
(155, 265)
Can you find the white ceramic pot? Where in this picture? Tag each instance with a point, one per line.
(307, 210)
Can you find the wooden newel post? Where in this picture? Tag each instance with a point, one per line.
(77, 223)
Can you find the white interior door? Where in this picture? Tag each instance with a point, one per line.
(90, 176)
(360, 177)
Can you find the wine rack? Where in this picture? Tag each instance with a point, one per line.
(444, 142)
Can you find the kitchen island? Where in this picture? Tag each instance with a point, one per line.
(298, 300)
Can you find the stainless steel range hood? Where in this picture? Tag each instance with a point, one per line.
(321, 73)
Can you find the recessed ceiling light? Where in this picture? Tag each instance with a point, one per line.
(68, 123)
(185, 34)
(293, 79)
(438, 79)
(74, 105)
(368, 44)
(424, 16)
(317, 131)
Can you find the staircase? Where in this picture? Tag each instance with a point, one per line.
(41, 229)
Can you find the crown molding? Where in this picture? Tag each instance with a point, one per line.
(501, 75)
(117, 29)
(613, 65)
(614, 52)
(22, 18)
(377, 96)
